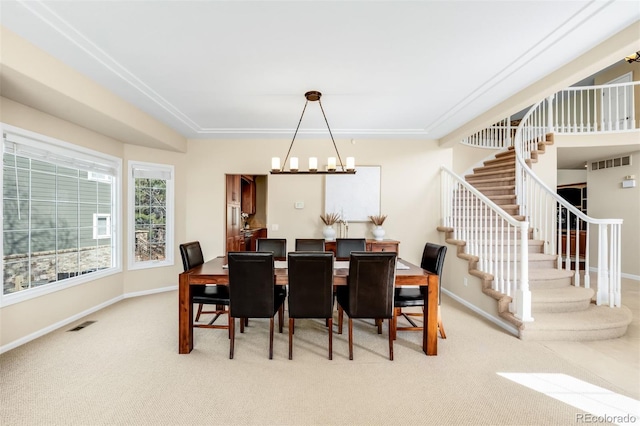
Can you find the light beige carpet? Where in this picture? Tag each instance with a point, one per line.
(125, 370)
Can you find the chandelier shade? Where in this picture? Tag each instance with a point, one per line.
(332, 165)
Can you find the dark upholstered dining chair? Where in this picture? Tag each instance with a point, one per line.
(309, 244)
(217, 295)
(310, 290)
(369, 291)
(278, 246)
(252, 292)
(344, 247)
(432, 261)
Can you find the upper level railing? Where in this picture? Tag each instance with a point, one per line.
(585, 109)
(565, 230)
(594, 109)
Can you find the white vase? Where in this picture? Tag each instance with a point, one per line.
(329, 233)
(378, 233)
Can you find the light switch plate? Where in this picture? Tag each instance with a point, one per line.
(299, 205)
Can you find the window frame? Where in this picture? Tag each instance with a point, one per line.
(166, 171)
(67, 150)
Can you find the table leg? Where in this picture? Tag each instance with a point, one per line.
(185, 314)
(430, 322)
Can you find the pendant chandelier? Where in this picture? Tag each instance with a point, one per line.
(332, 168)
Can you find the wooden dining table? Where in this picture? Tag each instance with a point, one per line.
(215, 271)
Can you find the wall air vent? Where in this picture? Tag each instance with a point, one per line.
(81, 326)
(611, 162)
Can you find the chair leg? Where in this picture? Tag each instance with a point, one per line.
(271, 323)
(379, 325)
(229, 324)
(199, 312)
(232, 336)
(330, 320)
(340, 318)
(291, 322)
(440, 327)
(391, 339)
(396, 312)
(280, 318)
(242, 323)
(350, 339)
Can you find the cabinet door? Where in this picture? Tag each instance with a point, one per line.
(233, 189)
(235, 243)
(233, 220)
(248, 196)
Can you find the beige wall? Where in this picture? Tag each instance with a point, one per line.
(567, 177)
(410, 191)
(466, 157)
(607, 199)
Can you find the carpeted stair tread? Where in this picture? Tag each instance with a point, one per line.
(561, 299)
(549, 274)
(594, 323)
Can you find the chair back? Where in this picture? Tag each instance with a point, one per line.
(433, 261)
(191, 255)
(371, 284)
(277, 246)
(309, 244)
(344, 247)
(310, 284)
(251, 284)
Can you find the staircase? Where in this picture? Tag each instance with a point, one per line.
(561, 310)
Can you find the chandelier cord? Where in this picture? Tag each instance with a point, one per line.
(330, 134)
(294, 136)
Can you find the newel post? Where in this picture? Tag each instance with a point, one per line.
(523, 293)
(602, 296)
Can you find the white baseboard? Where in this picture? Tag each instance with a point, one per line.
(57, 325)
(148, 292)
(79, 315)
(622, 274)
(497, 321)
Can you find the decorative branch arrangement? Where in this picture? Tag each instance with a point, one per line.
(378, 220)
(330, 218)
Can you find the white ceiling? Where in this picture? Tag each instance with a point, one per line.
(397, 69)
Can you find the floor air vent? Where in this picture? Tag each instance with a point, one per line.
(81, 326)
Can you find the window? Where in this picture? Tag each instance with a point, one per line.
(150, 215)
(56, 216)
(101, 226)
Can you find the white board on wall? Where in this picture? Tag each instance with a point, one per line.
(355, 197)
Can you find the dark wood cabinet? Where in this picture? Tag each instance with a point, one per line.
(248, 186)
(580, 236)
(235, 243)
(251, 236)
(384, 245)
(371, 245)
(235, 240)
(233, 189)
